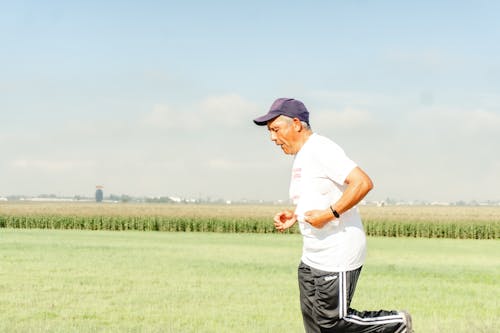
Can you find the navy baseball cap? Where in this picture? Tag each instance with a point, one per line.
(287, 107)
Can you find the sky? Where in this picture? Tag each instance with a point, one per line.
(156, 98)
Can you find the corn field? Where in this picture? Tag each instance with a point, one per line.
(428, 222)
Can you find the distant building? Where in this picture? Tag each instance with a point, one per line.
(99, 194)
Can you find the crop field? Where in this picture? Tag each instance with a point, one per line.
(391, 213)
(390, 221)
(104, 281)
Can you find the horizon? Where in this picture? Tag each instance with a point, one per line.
(173, 199)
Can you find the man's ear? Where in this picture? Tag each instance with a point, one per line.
(297, 125)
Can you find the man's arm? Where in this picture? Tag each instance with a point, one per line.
(358, 185)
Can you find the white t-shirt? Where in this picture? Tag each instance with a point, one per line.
(318, 174)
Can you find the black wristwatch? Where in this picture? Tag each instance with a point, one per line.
(335, 213)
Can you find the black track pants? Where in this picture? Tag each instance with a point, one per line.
(325, 298)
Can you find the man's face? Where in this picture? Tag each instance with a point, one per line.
(284, 134)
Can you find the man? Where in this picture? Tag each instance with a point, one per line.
(325, 188)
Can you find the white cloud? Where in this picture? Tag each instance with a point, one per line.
(51, 165)
(348, 110)
(421, 58)
(467, 122)
(224, 110)
(229, 110)
(348, 118)
(222, 164)
(480, 120)
(164, 117)
(489, 100)
(160, 116)
(345, 98)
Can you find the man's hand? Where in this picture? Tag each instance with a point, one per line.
(318, 218)
(284, 220)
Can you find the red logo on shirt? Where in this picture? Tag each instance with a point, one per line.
(296, 173)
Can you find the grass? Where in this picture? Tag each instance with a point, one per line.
(449, 285)
(61, 281)
(101, 281)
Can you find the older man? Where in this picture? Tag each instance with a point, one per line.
(326, 185)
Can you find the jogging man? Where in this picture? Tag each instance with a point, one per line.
(326, 185)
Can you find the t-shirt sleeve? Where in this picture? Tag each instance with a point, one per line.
(335, 163)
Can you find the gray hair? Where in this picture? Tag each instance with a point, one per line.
(305, 125)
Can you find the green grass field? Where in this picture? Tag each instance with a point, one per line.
(101, 281)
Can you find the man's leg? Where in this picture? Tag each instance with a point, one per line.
(307, 294)
(351, 321)
(325, 299)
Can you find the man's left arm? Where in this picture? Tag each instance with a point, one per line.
(358, 185)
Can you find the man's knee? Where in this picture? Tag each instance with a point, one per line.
(327, 319)
(335, 327)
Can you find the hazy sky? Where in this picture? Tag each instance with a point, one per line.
(157, 97)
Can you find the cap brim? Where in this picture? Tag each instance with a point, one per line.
(262, 121)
